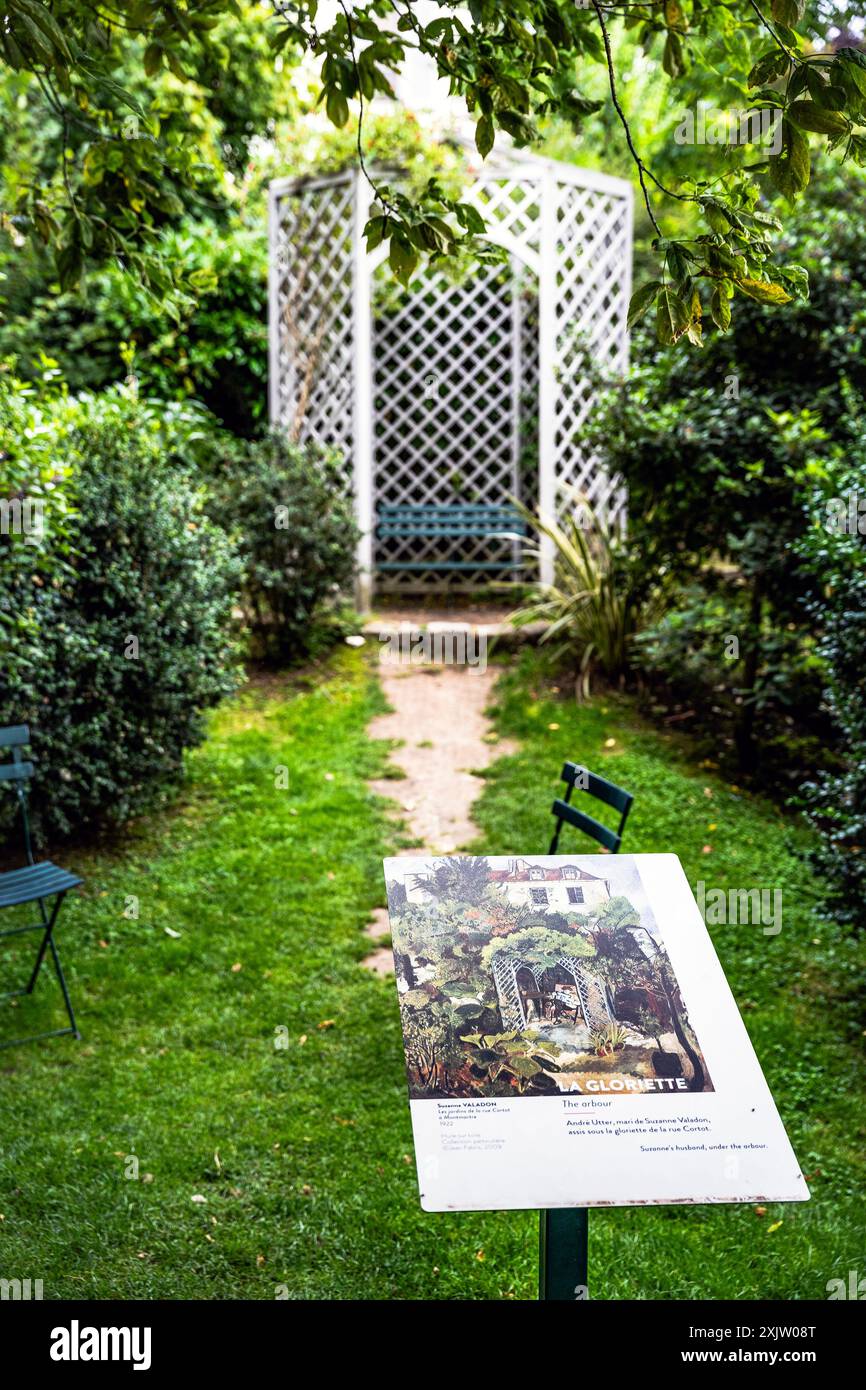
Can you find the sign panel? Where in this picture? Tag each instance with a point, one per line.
(571, 1039)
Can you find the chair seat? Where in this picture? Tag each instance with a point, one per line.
(35, 881)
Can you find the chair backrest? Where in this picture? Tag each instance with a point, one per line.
(580, 778)
(18, 772)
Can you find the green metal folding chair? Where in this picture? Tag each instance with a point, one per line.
(581, 779)
(564, 1231)
(35, 883)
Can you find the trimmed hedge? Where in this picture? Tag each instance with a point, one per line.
(119, 622)
(286, 506)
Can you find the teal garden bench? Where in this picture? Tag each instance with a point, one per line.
(451, 521)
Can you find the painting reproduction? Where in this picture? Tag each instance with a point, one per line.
(571, 1040)
(519, 977)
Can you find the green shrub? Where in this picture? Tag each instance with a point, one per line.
(719, 455)
(34, 486)
(835, 799)
(286, 506)
(212, 346)
(122, 650)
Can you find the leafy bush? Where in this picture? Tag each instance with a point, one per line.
(286, 506)
(34, 484)
(211, 344)
(120, 652)
(691, 662)
(719, 460)
(835, 799)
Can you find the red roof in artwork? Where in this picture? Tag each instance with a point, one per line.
(519, 872)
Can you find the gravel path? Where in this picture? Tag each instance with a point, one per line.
(438, 715)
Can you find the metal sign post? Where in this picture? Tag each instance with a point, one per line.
(562, 1254)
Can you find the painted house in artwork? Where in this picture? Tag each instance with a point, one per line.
(566, 888)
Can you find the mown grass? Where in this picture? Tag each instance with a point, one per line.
(800, 993)
(303, 1152)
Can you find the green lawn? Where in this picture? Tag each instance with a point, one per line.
(304, 1152)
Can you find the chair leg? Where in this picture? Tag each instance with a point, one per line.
(67, 1001)
(46, 940)
(46, 944)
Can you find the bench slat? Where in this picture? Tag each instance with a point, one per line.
(14, 735)
(15, 772)
(449, 521)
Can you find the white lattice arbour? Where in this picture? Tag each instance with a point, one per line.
(458, 390)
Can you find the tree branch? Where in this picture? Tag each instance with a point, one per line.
(360, 141)
(623, 121)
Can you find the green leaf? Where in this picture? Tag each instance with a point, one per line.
(809, 116)
(70, 266)
(674, 17)
(672, 316)
(769, 66)
(853, 64)
(375, 232)
(522, 1066)
(484, 136)
(672, 57)
(788, 12)
(641, 300)
(716, 216)
(336, 106)
(720, 310)
(415, 999)
(832, 96)
(694, 330)
(152, 59)
(402, 258)
(797, 277)
(790, 169)
(204, 280)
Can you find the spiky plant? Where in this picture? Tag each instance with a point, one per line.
(591, 609)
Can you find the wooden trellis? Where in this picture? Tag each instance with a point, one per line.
(466, 390)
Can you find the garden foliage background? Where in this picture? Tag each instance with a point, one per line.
(731, 455)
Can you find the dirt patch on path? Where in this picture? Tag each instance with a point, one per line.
(438, 714)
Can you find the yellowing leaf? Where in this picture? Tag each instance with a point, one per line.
(764, 291)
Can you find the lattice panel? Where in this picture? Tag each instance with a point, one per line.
(528, 440)
(314, 300)
(510, 205)
(592, 254)
(448, 404)
(443, 403)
